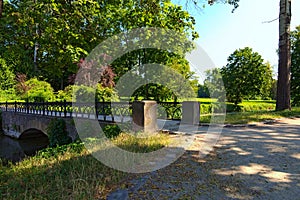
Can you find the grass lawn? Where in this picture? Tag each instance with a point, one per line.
(69, 172)
(254, 116)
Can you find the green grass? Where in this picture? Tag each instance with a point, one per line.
(68, 172)
(255, 116)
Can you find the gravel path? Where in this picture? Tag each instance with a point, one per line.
(260, 162)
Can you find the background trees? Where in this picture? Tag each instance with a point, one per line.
(246, 76)
(284, 64)
(295, 68)
(47, 39)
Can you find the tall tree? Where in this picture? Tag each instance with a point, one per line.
(284, 65)
(246, 75)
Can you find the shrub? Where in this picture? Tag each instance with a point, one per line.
(88, 94)
(106, 93)
(111, 131)
(9, 94)
(66, 94)
(38, 91)
(205, 108)
(57, 133)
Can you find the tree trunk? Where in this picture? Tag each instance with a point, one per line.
(1, 8)
(284, 65)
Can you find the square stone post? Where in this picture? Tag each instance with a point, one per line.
(144, 116)
(191, 112)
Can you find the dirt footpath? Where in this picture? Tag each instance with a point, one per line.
(260, 162)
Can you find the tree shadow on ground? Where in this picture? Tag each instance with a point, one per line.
(248, 163)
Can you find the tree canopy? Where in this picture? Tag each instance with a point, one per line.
(295, 67)
(46, 39)
(246, 75)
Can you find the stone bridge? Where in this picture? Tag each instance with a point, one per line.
(27, 120)
(23, 125)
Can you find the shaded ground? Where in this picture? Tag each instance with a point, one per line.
(260, 162)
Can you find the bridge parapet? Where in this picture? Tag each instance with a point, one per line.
(14, 124)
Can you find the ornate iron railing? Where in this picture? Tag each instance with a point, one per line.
(103, 111)
(169, 110)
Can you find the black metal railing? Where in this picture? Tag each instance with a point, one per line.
(169, 110)
(103, 111)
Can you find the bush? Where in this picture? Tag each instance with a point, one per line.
(7, 95)
(111, 131)
(38, 91)
(65, 95)
(76, 147)
(106, 93)
(57, 133)
(205, 108)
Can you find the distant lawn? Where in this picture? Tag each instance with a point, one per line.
(254, 116)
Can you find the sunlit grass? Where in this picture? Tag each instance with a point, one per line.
(69, 172)
(141, 144)
(255, 116)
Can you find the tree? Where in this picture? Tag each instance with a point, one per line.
(284, 61)
(7, 77)
(1, 8)
(295, 66)
(66, 31)
(246, 75)
(212, 82)
(283, 84)
(37, 91)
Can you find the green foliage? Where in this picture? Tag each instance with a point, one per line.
(84, 93)
(214, 83)
(295, 66)
(7, 77)
(106, 93)
(65, 95)
(203, 91)
(246, 75)
(38, 91)
(7, 82)
(57, 133)
(76, 147)
(64, 32)
(8, 95)
(111, 131)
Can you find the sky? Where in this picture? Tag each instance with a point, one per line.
(222, 32)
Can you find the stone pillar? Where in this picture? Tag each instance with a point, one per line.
(144, 116)
(191, 112)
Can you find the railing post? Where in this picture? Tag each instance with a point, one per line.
(27, 106)
(43, 107)
(15, 106)
(65, 108)
(144, 116)
(96, 108)
(191, 112)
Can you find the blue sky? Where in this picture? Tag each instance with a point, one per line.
(222, 32)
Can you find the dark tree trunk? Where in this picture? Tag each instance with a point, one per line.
(284, 65)
(1, 8)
